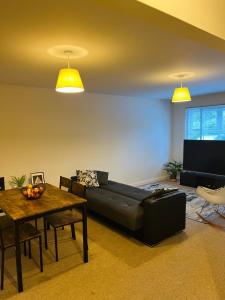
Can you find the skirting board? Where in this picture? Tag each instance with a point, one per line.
(148, 181)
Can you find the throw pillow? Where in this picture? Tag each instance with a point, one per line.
(78, 172)
(102, 177)
(88, 178)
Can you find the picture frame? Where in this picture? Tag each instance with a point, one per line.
(37, 177)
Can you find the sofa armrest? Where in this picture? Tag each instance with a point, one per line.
(164, 216)
(164, 194)
(78, 189)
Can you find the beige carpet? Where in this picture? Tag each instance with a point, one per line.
(190, 265)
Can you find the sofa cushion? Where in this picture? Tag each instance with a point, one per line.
(118, 208)
(127, 190)
(102, 177)
(87, 177)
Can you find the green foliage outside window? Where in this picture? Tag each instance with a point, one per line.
(205, 123)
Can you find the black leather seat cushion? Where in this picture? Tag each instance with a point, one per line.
(118, 208)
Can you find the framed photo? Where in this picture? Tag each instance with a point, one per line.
(37, 178)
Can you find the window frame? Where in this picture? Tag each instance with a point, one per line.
(201, 133)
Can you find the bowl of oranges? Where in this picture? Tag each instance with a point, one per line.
(32, 192)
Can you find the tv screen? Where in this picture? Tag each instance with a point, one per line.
(204, 156)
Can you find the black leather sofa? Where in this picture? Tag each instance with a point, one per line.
(152, 215)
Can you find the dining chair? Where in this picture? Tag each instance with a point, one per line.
(5, 222)
(2, 188)
(7, 240)
(62, 219)
(65, 183)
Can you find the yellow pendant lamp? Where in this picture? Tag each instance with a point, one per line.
(181, 94)
(69, 80)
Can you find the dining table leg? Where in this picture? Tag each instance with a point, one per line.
(18, 257)
(85, 241)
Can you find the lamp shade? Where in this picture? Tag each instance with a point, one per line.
(69, 81)
(181, 94)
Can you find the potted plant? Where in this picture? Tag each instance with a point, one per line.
(17, 181)
(173, 168)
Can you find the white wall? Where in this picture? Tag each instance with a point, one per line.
(41, 130)
(178, 120)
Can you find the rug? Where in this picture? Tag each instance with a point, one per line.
(194, 203)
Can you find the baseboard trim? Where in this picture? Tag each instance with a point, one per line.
(148, 181)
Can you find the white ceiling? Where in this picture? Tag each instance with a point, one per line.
(132, 48)
(207, 15)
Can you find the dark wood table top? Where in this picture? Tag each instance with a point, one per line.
(14, 204)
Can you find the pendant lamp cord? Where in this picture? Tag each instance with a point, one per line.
(68, 61)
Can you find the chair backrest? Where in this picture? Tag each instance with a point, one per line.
(1, 239)
(78, 189)
(5, 222)
(2, 184)
(65, 182)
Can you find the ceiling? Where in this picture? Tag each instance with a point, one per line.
(207, 15)
(132, 48)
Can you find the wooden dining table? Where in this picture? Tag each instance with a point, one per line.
(21, 210)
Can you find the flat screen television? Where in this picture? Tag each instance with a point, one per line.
(204, 156)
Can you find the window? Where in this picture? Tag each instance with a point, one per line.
(205, 123)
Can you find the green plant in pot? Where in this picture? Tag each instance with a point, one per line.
(173, 168)
(17, 181)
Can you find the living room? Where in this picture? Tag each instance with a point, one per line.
(131, 55)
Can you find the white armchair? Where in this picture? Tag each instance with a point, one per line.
(216, 197)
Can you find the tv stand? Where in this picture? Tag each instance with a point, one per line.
(194, 179)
